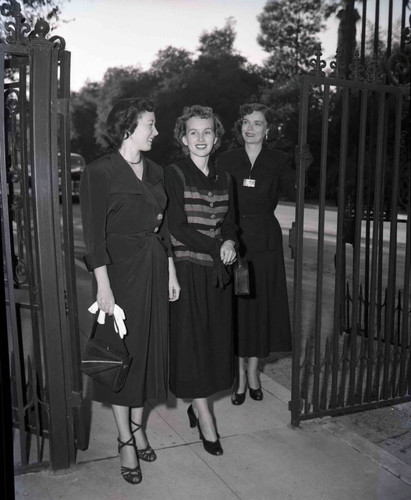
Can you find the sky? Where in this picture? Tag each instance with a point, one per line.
(109, 33)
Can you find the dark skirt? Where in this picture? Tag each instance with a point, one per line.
(140, 288)
(263, 320)
(201, 352)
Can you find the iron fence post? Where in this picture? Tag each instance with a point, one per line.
(47, 229)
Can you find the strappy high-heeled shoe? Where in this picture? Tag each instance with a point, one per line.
(212, 447)
(147, 454)
(132, 476)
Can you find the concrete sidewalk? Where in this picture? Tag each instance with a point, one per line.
(264, 459)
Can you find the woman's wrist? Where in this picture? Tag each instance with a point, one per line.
(171, 267)
(229, 242)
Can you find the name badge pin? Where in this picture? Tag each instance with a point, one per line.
(249, 183)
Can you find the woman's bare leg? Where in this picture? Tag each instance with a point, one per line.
(128, 457)
(241, 376)
(203, 413)
(140, 437)
(252, 374)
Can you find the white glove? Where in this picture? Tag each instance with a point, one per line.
(119, 318)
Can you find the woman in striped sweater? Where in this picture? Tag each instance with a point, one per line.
(201, 222)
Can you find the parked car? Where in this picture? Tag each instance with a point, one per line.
(77, 166)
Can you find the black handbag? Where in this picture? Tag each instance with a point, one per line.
(105, 364)
(241, 277)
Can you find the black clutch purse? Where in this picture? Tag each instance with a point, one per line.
(241, 277)
(105, 364)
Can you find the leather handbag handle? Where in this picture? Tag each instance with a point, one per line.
(94, 329)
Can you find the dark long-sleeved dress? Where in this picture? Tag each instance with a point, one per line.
(201, 217)
(263, 321)
(124, 229)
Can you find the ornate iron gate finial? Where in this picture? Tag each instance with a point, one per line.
(18, 29)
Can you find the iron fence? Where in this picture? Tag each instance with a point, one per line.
(353, 352)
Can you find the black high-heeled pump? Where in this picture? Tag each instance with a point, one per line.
(237, 398)
(256, 394)
(147, 454)
(212, 447)
(132, 476)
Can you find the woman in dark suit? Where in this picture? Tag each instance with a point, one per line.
(259, 175)
(123, 205)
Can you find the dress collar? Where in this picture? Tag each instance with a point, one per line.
(150, 176)
(212, 170)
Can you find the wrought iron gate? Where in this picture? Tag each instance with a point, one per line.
(358, 356)
(37, 241)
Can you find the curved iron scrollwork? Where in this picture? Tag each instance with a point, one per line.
(16, 186)
(18, 29)
(11, 101)
(58, 41)
(20, 32)
(370, 72)
(317, 64)
(399, 63)
(398, 69)
(337, 66)
(20, 272)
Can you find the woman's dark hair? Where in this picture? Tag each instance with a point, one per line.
(197, 111)
(123, 119)
(247, 109)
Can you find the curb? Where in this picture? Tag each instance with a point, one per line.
(381, 457)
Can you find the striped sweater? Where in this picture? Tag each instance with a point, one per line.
(200, 216)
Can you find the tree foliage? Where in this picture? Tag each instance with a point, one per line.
(219, 40)
(171, 61)
(289, 34)
(218, 77)
(83, 113)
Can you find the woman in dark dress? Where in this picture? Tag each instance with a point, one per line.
(259, 175)
(123, 205)
(201, 220)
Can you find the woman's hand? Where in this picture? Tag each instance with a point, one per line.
(105, 300)
(227, 252)
(173, 289)
(173, 284)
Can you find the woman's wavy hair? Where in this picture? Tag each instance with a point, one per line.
(247, 109)
(197, 111)
(123, 119)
